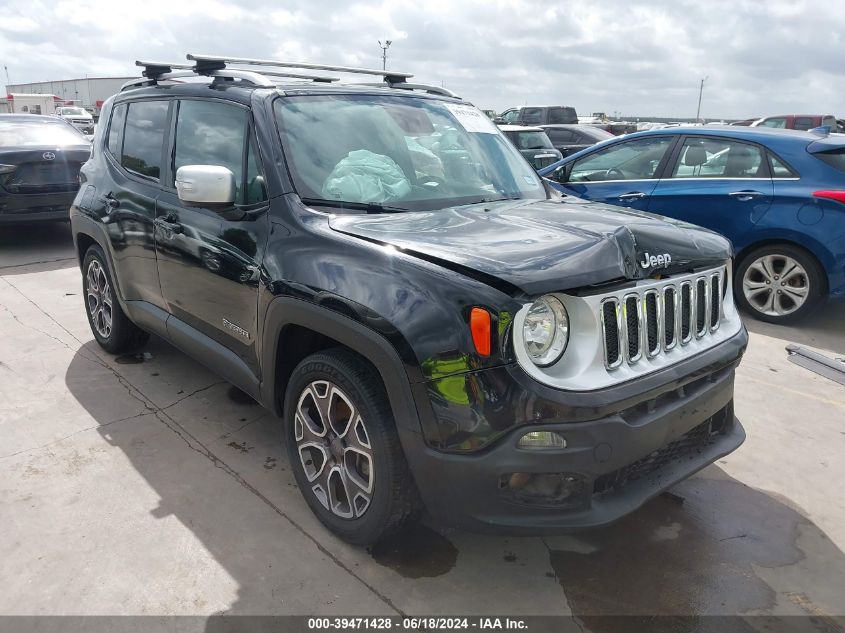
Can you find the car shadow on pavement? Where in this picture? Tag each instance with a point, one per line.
(36, 247)
(822, 329)
(713, 546)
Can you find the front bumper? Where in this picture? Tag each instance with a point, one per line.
(35, 207)
(622, 451)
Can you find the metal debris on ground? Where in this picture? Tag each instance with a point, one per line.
(831, 368)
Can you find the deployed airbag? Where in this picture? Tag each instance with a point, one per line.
(364, 176)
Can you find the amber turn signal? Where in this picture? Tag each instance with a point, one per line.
(479, 325)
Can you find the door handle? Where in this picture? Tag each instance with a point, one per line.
(634, 195)
(745, 196)
(166, 225)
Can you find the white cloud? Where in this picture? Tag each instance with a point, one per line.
(636, 57)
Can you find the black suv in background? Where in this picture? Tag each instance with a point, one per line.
(539, 115)
(379, 266)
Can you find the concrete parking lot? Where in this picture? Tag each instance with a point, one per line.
(146, 485)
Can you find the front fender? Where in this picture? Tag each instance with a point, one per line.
(396, 375)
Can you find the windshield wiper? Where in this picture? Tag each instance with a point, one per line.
(369, 207)
(488, 200)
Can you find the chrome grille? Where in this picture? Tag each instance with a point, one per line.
(686, 312)
(610, 328)
(633, 328)
(652, 322)
(670, 298)
(651, 314)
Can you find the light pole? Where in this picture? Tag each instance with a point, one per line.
(700, 90)
(384, 48)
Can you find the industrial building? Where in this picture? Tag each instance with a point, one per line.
(90, 92)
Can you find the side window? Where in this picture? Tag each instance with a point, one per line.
(118, 118)
(212, 133)
(143, 138)
(631, 160)
(778, 122)
(510, 116)
(831, 121)
(560, 136)
(779, 168)
(562, 115)
(803, 123)
(532, 115)
(719, 158)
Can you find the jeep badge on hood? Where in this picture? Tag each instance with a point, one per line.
(650, 261)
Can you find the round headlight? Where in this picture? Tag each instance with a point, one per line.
(545, 331)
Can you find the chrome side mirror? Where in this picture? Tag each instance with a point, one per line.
(205, 185)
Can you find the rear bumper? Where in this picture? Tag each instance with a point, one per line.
(611, 465)
(35, 207)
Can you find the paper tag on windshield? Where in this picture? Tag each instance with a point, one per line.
(473, 119)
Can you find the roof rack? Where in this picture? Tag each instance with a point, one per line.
(156, 71)
(217, 67)
(315, 78)
(435, 90)
(216, 62)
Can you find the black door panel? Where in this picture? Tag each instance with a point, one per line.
(209, 261)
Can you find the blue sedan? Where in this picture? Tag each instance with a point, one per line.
(778, 195)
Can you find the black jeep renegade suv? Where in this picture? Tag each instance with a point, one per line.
(379, 266)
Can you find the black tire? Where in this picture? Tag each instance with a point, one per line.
(122, 335)
(812, 279)
(394, 500)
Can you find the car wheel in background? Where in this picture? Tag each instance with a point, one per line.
(111, 327)
(779, 283)
(344, 449)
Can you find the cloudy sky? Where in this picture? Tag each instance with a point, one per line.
(632, 57)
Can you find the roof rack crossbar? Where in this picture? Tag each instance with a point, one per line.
(217, 62)
(435, 90)
(155, 69)
(256, 79)
(151, 81)
(315, 78)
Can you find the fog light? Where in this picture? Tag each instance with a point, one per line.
(542, 439)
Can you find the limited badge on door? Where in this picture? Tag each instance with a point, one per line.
(237, 329)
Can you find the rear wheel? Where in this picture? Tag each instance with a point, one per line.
(111, 327)
(779, 283)
(344, 449)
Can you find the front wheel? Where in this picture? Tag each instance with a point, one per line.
(779, 283)
(344, 449)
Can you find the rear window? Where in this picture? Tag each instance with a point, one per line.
(41, 132)
(143, 138)
(804, 123)
(531, 140)
(563, 115)
(835, 159)
(118, 117)
(532, 115)
(561, 136)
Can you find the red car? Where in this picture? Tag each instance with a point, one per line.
(798, 121)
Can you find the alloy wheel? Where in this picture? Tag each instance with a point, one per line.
(334, 449)
(98, 298)
(776, 285)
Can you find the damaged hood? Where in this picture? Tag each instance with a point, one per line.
(543, 246)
